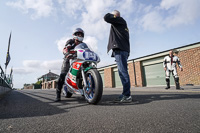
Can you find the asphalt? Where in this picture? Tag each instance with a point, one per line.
(162, 89)
(153, 110)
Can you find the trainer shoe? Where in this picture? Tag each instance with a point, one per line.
(124, 99)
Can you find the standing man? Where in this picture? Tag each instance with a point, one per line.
(78, 36)
(120, 45)
(169, 65)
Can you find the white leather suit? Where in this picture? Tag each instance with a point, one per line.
(170, 64)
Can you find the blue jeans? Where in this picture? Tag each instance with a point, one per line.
(121, 60)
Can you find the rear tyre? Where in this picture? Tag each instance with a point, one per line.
(66, 92)
(68, 95)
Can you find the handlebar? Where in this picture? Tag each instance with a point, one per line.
(71, 54)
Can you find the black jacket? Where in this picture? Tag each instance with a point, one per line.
(70, 44)
(119, 34)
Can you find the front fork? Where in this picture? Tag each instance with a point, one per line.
(84, 80)
(87, 86)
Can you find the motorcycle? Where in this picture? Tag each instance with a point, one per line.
(83, 77)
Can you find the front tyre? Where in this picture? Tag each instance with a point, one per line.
(93, 92)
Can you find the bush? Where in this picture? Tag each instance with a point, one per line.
(38, 82)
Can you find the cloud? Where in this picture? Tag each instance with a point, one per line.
(92, 17)
(32, 63)
(88, 14)
(52, 65)
(40, 8)
(92, 43)
(61, 43)
(152, 22)
(32, 69)
(34, 66)
(186, 12)
(71, 8)
(127, 7)
(169, 14)
(21, 71)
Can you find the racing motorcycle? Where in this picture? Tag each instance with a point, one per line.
(83, 77)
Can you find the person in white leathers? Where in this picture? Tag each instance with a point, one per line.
(169, 65)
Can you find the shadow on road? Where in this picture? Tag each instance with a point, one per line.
(147, 98)
(17, 104)
(34, 103)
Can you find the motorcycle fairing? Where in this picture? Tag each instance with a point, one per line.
(71, 75)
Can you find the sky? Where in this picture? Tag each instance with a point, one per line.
(40, 29)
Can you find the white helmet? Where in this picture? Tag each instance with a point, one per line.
(76, 37)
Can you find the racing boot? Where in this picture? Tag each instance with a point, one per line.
(60, 84)
(168, 84)
(58, 93)
(177, 84)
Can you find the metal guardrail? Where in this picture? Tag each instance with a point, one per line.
(4, 83)
(4, 87)
(4, 80)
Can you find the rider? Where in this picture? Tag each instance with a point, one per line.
(78, 36)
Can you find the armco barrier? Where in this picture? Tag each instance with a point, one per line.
(4, 87)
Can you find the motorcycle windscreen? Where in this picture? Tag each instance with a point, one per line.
(71, 76)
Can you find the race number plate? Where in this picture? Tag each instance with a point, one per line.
(89, 55)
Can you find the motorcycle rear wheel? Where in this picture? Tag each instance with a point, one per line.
(94, 91)
(69, 94)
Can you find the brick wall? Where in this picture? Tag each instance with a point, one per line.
(190, 60)
(138, 71)
(131, 73)
(108, 77)
(136, 80)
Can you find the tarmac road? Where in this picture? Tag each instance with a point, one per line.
(153, 110)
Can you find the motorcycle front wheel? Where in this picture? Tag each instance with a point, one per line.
(93, 92)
